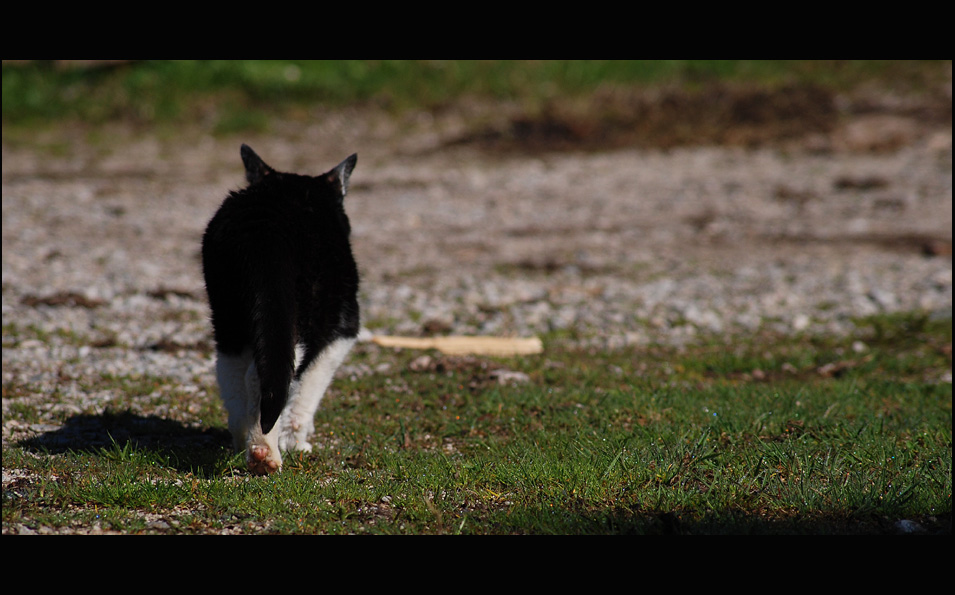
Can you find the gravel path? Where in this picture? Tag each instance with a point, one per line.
(100, 242)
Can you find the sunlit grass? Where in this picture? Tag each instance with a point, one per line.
(705, 439)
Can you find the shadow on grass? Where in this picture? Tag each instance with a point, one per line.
(183, 447)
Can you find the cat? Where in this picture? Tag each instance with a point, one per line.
(282, 284)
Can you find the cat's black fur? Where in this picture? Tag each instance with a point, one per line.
(280, 272)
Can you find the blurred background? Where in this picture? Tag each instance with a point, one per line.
(632, 200)
(560, 104)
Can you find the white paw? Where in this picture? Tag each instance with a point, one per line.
(263, 460)
(295, 441)
(302, 446)
(262, 454)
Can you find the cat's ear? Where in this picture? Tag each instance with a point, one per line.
(339, 176)
(255, 168)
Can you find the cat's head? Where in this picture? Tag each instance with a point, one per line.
(257, 171)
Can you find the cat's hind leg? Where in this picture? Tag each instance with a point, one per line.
(239, 389)
(261, 450)
(306, 394)
(230, 374)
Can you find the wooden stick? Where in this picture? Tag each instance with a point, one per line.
(462, 345)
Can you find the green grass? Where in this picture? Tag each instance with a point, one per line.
(238, 95)
(776, 435)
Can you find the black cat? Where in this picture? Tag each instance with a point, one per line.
(283, 290)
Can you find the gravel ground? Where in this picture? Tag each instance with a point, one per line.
(621, 247)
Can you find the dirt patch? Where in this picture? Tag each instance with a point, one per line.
(68, 299)
(717, 114)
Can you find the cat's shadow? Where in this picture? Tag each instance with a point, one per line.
(186, 448)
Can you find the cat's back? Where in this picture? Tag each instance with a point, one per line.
(288, 212)
(285, 234)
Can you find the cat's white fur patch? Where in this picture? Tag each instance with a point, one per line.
(230, 373)
(239, 388)
(305, 395)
